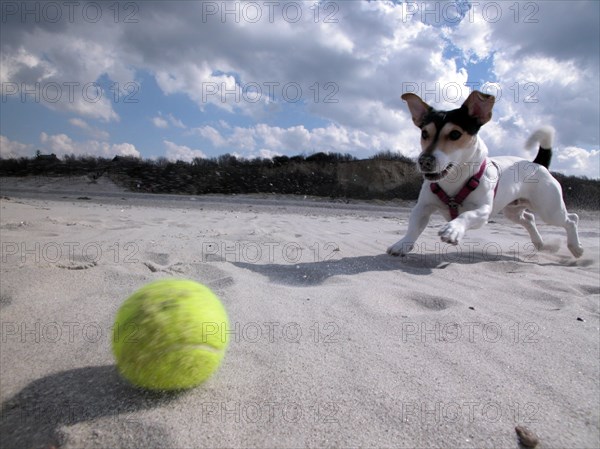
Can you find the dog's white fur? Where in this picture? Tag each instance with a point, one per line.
(523, 186)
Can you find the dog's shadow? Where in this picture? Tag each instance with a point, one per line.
(33, 417)
(315, 273)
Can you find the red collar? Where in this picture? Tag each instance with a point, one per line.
(455, 201)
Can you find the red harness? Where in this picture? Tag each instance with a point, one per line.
(457, 200)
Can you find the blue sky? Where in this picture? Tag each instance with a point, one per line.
(180, 79)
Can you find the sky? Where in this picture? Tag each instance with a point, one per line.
(186, 79)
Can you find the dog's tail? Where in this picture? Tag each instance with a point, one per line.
(543, 137)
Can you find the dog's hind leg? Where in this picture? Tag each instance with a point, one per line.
(519, 215)
(573, 242)
(551, 208)
(569, 222)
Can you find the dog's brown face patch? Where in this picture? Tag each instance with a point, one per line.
(449, 139)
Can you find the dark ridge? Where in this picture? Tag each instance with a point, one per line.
(386, 175)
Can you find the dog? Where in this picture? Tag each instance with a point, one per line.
(467, 187)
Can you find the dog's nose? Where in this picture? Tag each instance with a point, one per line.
(427, 163)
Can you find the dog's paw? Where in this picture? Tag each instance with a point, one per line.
(400, 248)
(576, 250)
(452, 232)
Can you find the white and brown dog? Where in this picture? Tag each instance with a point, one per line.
(467, 187)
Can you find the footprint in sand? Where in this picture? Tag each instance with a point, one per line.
(554, 286)
(5, 300)
(590, 289)
(12, 226)
(77, 265)
(430, 302)
(178, 268)
(158, 258)
(213, 277)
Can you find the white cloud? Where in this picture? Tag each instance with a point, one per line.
(211, 134)
(10, 149)
(545, 62)
(91, 130)
(204, 87)
(540, 70)
(176, 122)
(34, 78)
(243, 138)
(181, 152)
(298, 139)
(160, 122)
(286, 139)
(473, 35)
(119, 149)
(79, 123)
(268, 154)
(578, 161)
(62, 145)
(364, 60)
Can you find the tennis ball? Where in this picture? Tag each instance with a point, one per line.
(170, 335)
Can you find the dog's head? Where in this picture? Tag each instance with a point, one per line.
(448, 138)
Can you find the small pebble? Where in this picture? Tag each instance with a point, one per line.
(526, 437)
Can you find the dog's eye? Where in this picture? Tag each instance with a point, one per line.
(424, 135)
(454, 135)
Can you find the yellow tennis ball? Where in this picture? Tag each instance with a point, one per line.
(170, 335)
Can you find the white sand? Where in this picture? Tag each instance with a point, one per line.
(336, 344)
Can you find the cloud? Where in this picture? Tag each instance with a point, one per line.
(64, 62)
(29, 77)
(181, 152)
(578, 161)
(175, 121)
(564, 30)
(79, 123)
(544, 59)
(212, 135)
(10, 149)
(160, 122)
(473, 36)
(268, 154)
(350, 71)
(538, 70)
(63, 145)
(92, 131)
(293, 140)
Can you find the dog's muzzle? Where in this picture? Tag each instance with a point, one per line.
(428, 166)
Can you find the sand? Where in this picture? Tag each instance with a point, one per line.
(334, 343)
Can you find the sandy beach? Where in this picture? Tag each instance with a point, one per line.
(334, 344)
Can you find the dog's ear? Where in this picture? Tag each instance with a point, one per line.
(418, 108)
(479, 106)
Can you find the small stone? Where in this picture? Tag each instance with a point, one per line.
(526, 437)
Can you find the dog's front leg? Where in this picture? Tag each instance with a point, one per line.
(419, 217)
(453, 231)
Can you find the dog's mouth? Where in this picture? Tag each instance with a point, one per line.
(438, 175)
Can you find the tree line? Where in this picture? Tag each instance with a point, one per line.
(315, 175)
